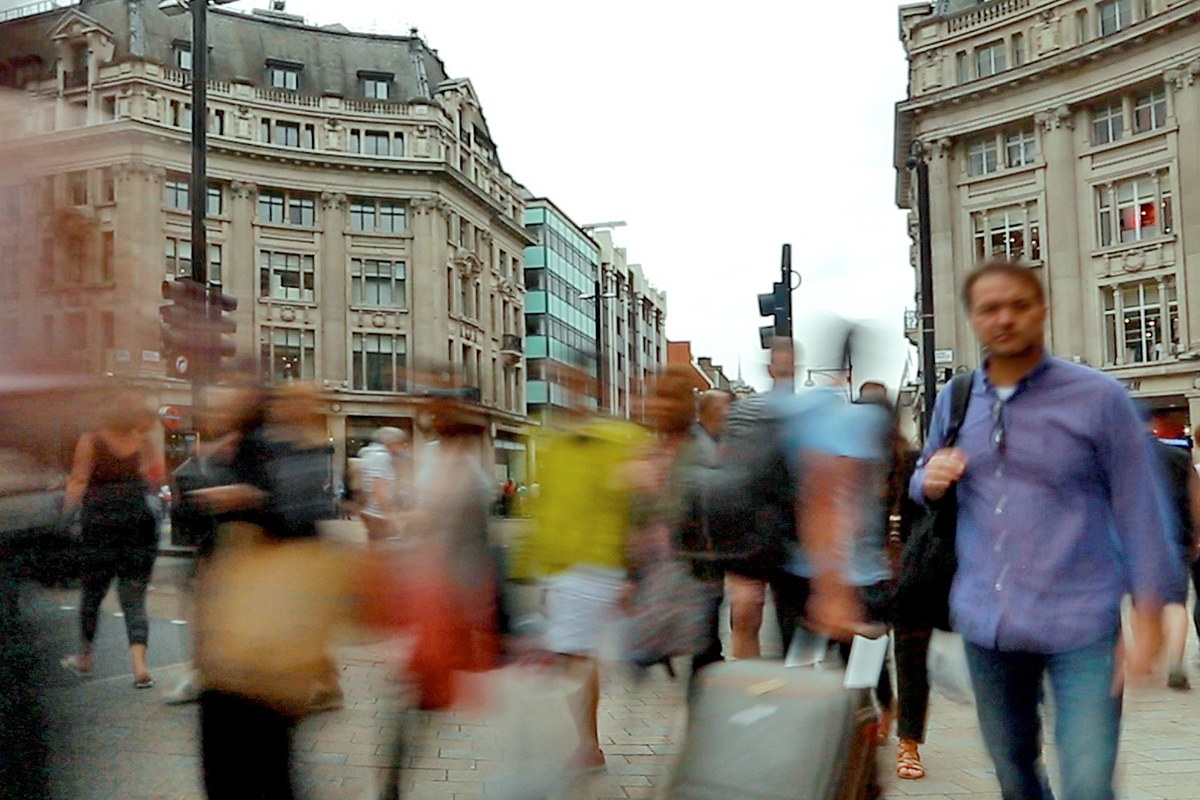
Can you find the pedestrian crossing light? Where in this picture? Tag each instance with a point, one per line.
(775, 304)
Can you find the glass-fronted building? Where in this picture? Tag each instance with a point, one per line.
(560, 325)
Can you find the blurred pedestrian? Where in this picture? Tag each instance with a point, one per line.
(1059, 514)
(384, 465)
(113, 470)
(1183, 491)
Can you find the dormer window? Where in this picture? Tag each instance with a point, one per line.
(183, 55)
(284, 74)
(376, 85)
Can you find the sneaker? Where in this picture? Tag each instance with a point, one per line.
(187, 691)
(1178, 680)
(326, 700)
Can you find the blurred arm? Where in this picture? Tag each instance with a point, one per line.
(81, 473)
(825, 523)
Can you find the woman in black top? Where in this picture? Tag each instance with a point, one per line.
(110, 479)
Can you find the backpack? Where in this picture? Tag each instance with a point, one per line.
(740, 515)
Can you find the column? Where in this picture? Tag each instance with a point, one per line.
(138, 255)
(942, 202)
(334, 308)
(336, 425)
(427, 315)
(1061, 247)
(241, 265)
(1186, 194)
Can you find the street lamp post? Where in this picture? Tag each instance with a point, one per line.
(599, 297)
(928, 368)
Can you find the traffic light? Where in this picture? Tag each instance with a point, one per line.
(182, 324)
(775, 304)
(221, 323)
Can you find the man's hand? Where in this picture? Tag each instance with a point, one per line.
(943, 470)
(1145, 648)
(834, 610)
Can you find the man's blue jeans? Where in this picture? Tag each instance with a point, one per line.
(1008, 692)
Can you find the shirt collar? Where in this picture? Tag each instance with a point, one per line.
(984, 385)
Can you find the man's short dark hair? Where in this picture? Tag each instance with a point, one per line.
(1013, 269)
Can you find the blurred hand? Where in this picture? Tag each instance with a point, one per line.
(834, 610)
(1144, 651)
(943, 470)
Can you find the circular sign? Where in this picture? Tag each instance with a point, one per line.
(181, 365)
(171, 417)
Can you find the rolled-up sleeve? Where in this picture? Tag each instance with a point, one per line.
(1142, 513)
(934, 442)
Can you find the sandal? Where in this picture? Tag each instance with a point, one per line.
(143, 683)
(908, 761)
(71, 664)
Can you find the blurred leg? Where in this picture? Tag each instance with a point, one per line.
(133, 579)
(100, 574)
(1175, 631)
(245, 749)
(1087, 719)
(912, 681)
(746, 599)
(790, 594)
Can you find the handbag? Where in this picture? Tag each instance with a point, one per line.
(267, 612)
(929, 561)
(670, 612)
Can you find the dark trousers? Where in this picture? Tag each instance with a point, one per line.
(245, 749)
(712, 653)
(912, 679)
(131, 568)
(1196, 583)
(790, 594)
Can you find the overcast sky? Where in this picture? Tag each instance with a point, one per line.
(717, 131)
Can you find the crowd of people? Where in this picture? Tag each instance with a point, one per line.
(1037, 477)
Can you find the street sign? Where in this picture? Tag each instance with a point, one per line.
(943, 356)
(180, 366)
(171, 417)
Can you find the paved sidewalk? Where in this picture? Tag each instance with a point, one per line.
(117, 743)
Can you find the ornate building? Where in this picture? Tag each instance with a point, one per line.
(1066, 133)
(357, 208)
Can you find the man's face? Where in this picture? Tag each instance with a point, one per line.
(1008, 316)
(714, 415)
(782, 368)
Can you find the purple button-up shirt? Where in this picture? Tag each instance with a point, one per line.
(1061, 511)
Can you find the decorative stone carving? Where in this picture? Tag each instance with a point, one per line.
(242, 122)
(1184, 75)
(379, 320)
(242, 190)
(334, 131)
(1047, 33)
(334, 201)
(287, 314)
(1055, 118)
(1135, 261)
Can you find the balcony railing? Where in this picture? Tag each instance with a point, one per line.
(511, 344)
(986, 13)
(33, 9)
(73, 79)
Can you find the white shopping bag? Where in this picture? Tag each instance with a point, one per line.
(948, 673)
(535, 732)
(867, 657)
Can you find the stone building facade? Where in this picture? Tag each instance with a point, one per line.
(357, 208)
(1065, 133)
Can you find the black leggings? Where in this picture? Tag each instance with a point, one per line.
(131, 568)
(912, 679)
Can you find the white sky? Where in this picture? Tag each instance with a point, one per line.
(717, 131)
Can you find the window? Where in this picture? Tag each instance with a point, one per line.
(1011, 233)
(961, 70)
(8, 274)
(288, 354)
(183, 56)
(379, 362)
(1021, 147)
(1108, 123)
(108, 187)
(302, 209)
(77, 188)
(175, 193)
(377, 143)
(287, 134)
(1143, 211)
(398, 145)
(285, 78)
(178, 258)
(990, 59)
(216, 123)
(1081, 26)
(216, 200)
(270, 206)
(384, 216)
(214, 264)
(287, 276)
(108, 270)
(1018, 49)
(376, 88)
(108, 330)
(308, 138)
(450, 293)
(1147, 9)
(1150, 110)
(1114, 15)
(981, 156)
(377, 283)
(76, 330)
(1135, 315)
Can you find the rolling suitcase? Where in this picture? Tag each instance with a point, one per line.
(757, 729)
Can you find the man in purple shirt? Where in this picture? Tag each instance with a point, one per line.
(1060, 514)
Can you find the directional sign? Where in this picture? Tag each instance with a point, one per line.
(171, 417)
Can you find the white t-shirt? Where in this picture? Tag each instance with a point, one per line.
(1005, 392)
(377, 464)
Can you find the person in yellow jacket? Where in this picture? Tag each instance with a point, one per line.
(578, 548)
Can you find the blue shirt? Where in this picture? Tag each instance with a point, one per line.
(1060, 513)
(823, 421)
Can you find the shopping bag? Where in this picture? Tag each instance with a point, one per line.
(267, 614)
(535, 731)
(669, 614)
(948, 673)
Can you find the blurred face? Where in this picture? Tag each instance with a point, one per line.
(783, 365)
(1008, 315)
(714, 413)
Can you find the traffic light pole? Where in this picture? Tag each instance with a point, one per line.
(928, 342)
(198, 191)
(785, 277)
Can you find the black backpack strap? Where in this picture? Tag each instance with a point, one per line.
(960, 397)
